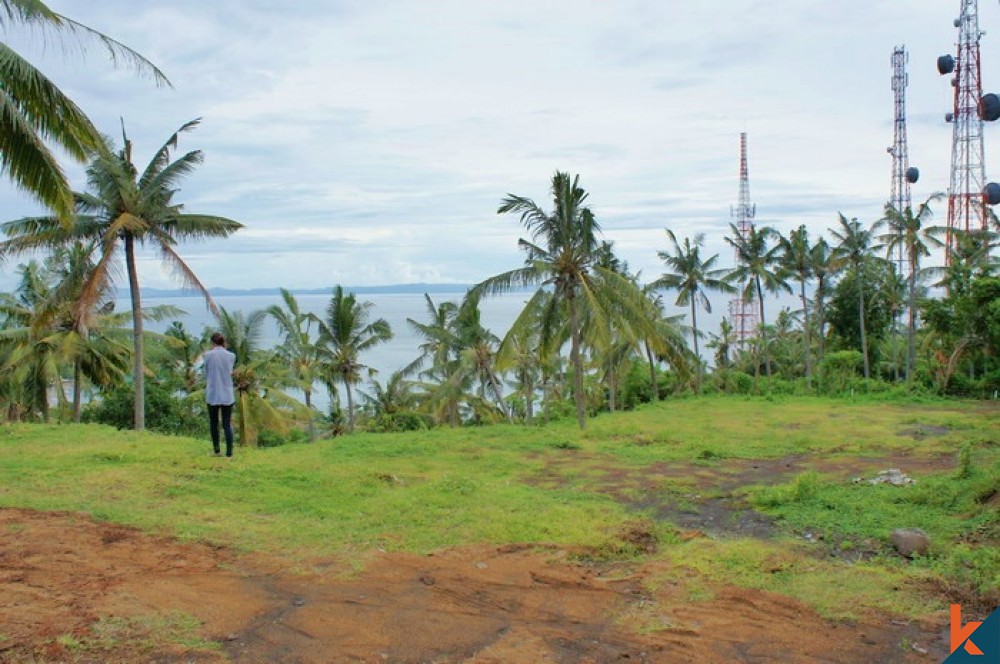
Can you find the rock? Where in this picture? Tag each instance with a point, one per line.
(910, 542)
(893, 476)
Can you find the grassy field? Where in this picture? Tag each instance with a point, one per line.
(589, 492)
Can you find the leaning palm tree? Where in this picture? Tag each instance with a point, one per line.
(562, 257)
(907, 233)
(757, 267)
(125, 208)
(344, 334)
(796, 259)
(691, 277)
(855, 246)
(36, 111)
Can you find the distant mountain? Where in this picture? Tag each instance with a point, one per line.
(402, 289)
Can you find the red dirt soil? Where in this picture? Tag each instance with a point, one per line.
(63, 576)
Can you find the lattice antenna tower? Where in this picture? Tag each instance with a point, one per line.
(968, 192)
(903, 175)
(743, 310)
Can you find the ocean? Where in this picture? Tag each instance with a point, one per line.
(498, 314)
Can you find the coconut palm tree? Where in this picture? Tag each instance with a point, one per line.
(36, 111)
(855, 246)
(823, 265)
(563, 256)
(125, 208)
(796, 259)
(691, 277)
(907, 232)
(344, 335)
(757, 266)
(298, 349)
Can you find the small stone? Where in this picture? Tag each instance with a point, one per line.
(232, 637)
(427, 580)
(298, 601)
(482, 565)
(910, 542)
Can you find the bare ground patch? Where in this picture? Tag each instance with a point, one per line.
(74, 590)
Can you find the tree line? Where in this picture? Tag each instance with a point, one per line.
(591, 337)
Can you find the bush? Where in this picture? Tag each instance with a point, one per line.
(165, 411)
(392, 422)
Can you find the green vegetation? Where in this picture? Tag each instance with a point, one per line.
(610, 493)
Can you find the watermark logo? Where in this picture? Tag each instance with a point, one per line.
(975, 641)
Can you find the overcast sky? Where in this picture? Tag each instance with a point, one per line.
(367, 142)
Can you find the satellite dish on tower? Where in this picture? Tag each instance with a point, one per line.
(989, 107)
(992, 193)
(912, 174)
(948, 117)
(945, 64)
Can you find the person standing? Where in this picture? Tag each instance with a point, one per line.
(219, 364)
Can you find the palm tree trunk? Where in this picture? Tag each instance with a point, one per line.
(350, 407)
(77, 390)
(312, 421)
(763, 331)
(861, 323)
(653, 387)
(529, 397)
(697, 353)
(576, 360)
(241, 419)
(911, 350)
(807, 345)
(138, 374)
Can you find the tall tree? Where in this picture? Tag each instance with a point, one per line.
(855, 246)
(346, 333)
(298, 349)
(35, 111)
(562, 255)
(822, 265)
(757, 267)
(691, 277)
(125, 208)
(796, 259)
(907, 231)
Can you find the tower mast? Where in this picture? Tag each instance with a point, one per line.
(902, 175)
(966, 192)
(743, 310)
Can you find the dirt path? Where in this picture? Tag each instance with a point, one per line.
(73, 590)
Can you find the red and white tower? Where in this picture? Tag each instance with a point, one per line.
(967, 192)
(743, 310)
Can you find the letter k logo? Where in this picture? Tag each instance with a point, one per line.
(960, 635)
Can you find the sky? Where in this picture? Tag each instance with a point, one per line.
(370, 142)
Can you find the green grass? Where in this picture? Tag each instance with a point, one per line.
(556, 485)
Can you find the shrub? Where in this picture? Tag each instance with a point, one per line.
(165, 411)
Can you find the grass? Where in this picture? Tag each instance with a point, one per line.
(556, 485)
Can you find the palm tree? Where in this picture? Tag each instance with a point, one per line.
(35, 110)
(907, 233)
(822, 265)
(757, 266)
(854, 248)
(298, 350)
(562, 255)
(691, 276)
(344, 334)
(796, 259)
(126, 208)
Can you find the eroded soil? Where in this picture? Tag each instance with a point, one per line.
(75, 590)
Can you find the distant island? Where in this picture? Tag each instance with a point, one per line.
(359, 290)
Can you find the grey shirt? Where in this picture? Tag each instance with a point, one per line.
(219, 376)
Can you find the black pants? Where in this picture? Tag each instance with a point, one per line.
(227, 426)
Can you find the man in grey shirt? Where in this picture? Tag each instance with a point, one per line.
(219, 364)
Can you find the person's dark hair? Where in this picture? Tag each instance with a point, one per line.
(218, 339)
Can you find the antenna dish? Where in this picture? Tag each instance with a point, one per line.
(912, 174)
(957, 22)
(945, 64)
(992, 193)
(989, 107)
(948, 117)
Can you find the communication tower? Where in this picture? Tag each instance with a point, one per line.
(968, 192)
(743, 310)
(903, 175)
